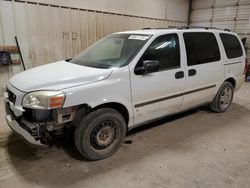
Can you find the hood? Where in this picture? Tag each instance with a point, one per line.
(57, 76)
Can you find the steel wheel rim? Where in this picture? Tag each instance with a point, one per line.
(103, 135)
(226, 97)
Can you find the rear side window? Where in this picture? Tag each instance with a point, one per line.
(201, 47)
(232, 45)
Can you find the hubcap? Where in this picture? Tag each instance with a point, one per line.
(103, 135)
(226, 98)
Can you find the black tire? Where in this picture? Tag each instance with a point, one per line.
(218, 105)
(100, 133)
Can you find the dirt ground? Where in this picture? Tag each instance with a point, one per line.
(198, 148)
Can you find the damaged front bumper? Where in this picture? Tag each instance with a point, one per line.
(17, 127)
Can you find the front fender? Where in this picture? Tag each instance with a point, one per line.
(116, 88)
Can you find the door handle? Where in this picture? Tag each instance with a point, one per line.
(191, 72)
(179, 75)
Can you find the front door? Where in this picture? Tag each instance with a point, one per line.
(159, 93)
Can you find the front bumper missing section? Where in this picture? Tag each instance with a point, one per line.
(16, 127)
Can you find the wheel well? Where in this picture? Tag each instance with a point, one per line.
(118, 107)
(232, 81)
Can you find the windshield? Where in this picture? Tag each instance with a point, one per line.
(113, 51)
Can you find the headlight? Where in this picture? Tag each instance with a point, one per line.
(43, 100)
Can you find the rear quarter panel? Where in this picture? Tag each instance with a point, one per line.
(234, 68)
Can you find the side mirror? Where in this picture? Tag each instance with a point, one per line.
(148, 66)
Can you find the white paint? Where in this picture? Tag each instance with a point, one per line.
(57, 76)
(83, 85)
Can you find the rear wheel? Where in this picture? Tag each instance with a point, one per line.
(223, 98)
(100, 133)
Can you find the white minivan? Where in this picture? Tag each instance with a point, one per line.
(125, 80)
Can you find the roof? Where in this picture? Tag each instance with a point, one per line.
(158, 31)
(148, 31)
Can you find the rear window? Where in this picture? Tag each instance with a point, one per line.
(201, 47)
(232, 45)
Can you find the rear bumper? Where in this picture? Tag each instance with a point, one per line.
(18, 129)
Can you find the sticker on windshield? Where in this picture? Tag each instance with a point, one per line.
(138, 37)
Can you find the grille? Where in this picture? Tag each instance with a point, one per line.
(11, 97)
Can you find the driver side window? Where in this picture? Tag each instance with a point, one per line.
(164, 49)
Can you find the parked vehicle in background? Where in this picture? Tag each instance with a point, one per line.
(125, 80)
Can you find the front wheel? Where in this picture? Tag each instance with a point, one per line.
(223, 98)
(100, 133)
